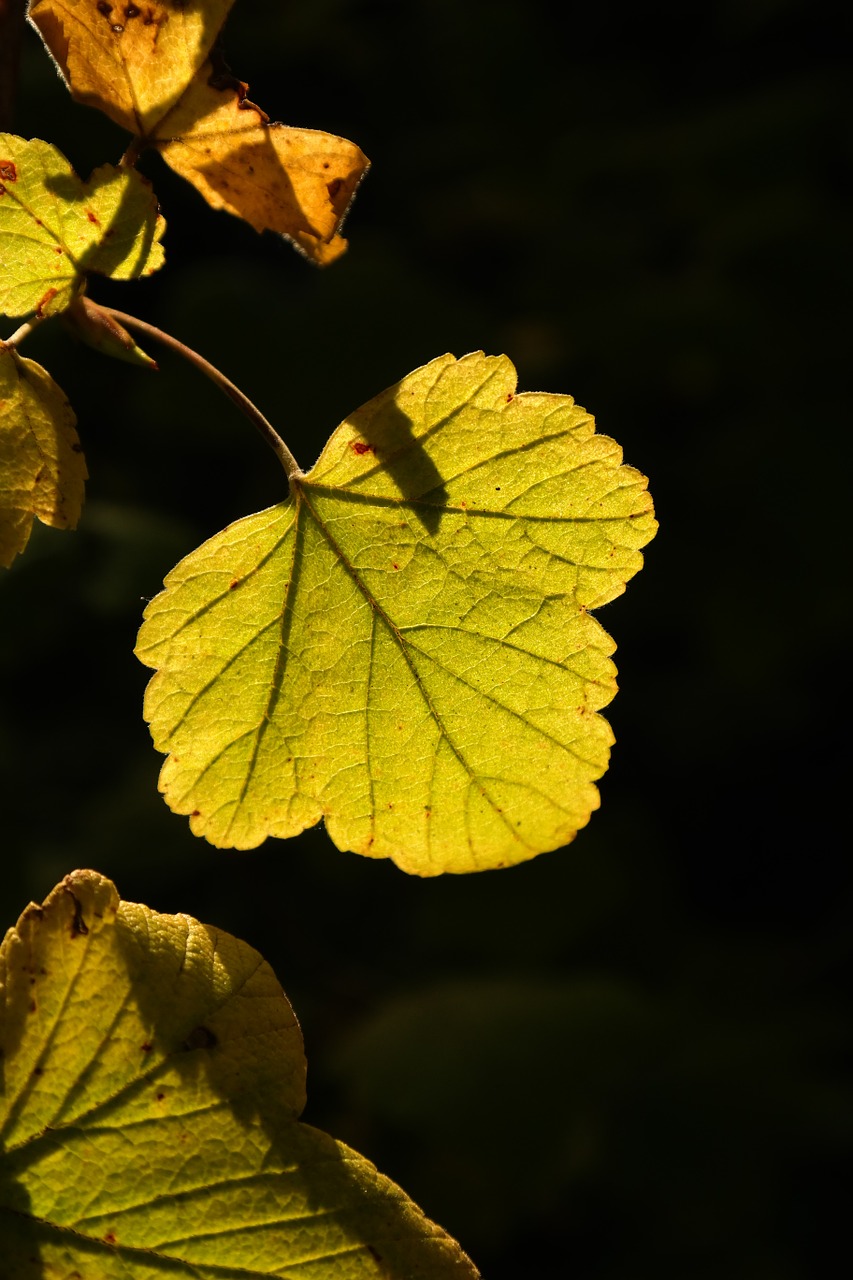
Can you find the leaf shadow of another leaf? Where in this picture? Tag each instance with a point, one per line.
(20, 1236)
(398, 451)
(110, 250)
(249, 1048)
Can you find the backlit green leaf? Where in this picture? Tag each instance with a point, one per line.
(42, 471)
(56, 228)
(404, 647)
(153, 1075)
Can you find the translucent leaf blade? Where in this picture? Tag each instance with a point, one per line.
(404, 647)
(130, 61)
(153, 1079)
(56, 228)
(297, 182)
(42, 470)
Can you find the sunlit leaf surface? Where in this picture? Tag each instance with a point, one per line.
(298, 182)
(404, 647)
(132, 61)
(55, 228)
(153, 1076)
(42, 471)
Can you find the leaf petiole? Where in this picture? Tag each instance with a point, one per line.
(244, 404)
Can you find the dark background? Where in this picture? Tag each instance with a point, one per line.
(627, 1058)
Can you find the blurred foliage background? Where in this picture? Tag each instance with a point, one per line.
(628, 1058)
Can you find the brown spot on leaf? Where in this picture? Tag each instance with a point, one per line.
(510, 396)
(38, 1071)
(110, 1238)
(396, 566)
(235, 582)
(45, 301)
(359, 446)
(8, 171)
(147, 1047)
(104, 8)
(160, 1097)
(92, 216)
(131, 12)
(196, 813)
(33, 1006)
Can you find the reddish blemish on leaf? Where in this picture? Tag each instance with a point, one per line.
(235, 582)
(510, 396)
(147, 1047)
(33, 1006)
(396, 566)
(45, 301)
(360, 446)
(8, 171)
(110, 1238)
(104, 8)
(93, 217)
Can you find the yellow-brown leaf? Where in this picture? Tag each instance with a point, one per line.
(42, 471)
(133, 61)
(298, 182)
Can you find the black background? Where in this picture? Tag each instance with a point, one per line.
(626, 1058)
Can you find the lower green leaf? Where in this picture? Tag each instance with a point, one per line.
(153, 1076)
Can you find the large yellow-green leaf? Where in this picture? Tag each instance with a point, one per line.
(153, 1076)
(42, 471)
(404, 647)
(54, 227)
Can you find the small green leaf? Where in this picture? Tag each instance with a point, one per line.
(404, 647)
(56, 228)
(153, 1076)
(42, 470)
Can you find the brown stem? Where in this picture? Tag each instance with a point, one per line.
(12, 13)
(244, 404)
